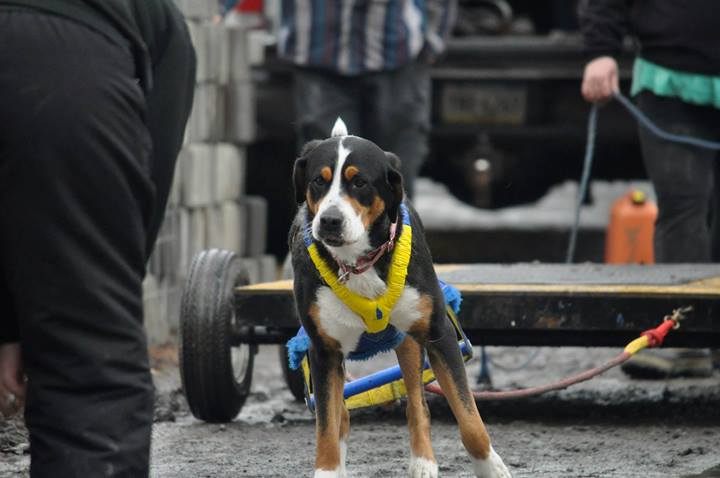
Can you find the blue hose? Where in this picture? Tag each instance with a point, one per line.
(646, 123)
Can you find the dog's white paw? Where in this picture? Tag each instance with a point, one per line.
(492, 467)
(339, 473)
(422, 468)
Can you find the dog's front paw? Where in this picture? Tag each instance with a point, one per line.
(491, 467)
(330, 474)
(422, 468)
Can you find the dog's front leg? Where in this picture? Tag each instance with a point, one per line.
(332, 421)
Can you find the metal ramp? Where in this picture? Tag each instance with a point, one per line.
(537, 304)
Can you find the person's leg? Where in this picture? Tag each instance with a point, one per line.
(682, 176)
(320, 99)
(715, 210)
(398, 116)
(75, 203)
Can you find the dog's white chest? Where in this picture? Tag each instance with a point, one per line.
(343, 325)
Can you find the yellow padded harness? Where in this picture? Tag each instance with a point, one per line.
(375, 313)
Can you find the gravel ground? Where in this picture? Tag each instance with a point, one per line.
(609, 427)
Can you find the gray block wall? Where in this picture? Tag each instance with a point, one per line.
(208, 207)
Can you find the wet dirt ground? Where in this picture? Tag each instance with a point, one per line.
(609, 427)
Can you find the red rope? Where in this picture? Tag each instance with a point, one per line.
(531, 391)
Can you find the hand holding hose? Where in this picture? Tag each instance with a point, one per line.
(600, 80)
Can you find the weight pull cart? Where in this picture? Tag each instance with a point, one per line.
(223, 319)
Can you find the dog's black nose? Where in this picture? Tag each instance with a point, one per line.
(331, 220)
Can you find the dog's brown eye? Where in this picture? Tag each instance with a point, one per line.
(319, 181)
(359, 183)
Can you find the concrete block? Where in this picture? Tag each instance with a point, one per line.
(155, 312)
(185, 256)
(176, 186)
(198, 227)
(268, 268)
(173, 293)
(197, 166)
(234, 218)
(238, 53)
(221, 57)
(198, 9)
(207, 119)
(241, 125)
(258, 41)
(212, 50)
(167, 248)
(199, 41)
(214, 233)
(192, 226)
(229, 174)
(252, 266)
(256, 225)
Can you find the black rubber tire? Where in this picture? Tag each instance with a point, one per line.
(214, 390)
(293, 378)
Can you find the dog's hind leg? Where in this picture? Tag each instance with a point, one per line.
(447, 363)
(422, 461)
(331, 417)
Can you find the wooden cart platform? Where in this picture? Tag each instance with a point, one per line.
(537, 304)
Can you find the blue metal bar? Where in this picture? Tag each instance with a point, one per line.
(378, 379)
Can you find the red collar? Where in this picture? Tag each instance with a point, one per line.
(367, 260)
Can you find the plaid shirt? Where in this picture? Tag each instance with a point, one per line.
(351, 37)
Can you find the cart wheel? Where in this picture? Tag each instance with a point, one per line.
(294, 378)
(216, 374)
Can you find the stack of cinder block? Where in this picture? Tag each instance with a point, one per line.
(208, 207)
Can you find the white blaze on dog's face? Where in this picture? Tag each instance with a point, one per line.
(348, 183)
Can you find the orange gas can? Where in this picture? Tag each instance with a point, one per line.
(630, 232)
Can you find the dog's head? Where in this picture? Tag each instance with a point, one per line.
(349, 184)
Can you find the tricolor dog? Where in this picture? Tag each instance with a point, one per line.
(355, 235)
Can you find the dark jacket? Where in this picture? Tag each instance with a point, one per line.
(156, 34)
(142, 25)
(678, 34)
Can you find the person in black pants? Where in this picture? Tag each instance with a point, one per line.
(94, 97)
(675, 79)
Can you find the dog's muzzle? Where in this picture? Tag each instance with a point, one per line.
(331, 226)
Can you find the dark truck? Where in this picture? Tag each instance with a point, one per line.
(508, 121)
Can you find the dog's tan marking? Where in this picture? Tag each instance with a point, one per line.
(328, 438)
(312, 205)
(368, 215)
(329, 342)
(326, 173)
(472, 429)
(344, 421)
(351, 172)
(421, 327)
(409, 355)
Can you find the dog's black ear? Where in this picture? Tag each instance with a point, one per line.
(309, 146)
(394, 160)
(299, 179)
(394, 179)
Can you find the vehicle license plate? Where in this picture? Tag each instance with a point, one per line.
(483, 104)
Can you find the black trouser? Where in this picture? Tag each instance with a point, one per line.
(390, 108)
(79, 205)
(686, 180)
